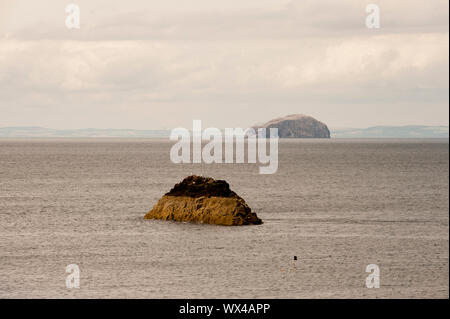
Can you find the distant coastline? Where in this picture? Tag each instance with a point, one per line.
(409, 131)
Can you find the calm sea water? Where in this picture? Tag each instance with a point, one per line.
(338, 205)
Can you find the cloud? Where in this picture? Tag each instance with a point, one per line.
(147, 66)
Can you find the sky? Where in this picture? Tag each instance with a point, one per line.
(144, 64)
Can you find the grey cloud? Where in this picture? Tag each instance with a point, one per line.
(143, 66)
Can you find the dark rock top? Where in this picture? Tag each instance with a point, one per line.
(199, 186)
(297, 126)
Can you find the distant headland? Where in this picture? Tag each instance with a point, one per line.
(407, 131)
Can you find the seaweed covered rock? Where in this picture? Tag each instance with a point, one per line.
(203, 200)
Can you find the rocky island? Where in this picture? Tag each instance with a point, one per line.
(297, 126)
(201, 199)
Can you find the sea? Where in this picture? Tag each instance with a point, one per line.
(336, 213)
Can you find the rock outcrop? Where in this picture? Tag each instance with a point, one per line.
(203, 200)
(297, 126)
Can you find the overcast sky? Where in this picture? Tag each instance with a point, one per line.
(160, 64)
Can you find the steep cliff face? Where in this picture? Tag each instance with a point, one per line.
(297, 126)
(203, 200)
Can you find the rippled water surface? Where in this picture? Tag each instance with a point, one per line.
(338, 205)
